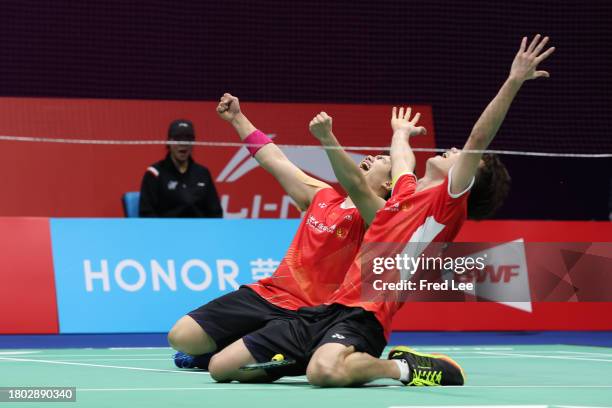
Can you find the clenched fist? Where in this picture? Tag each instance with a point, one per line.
(321, 126)
(228, 107)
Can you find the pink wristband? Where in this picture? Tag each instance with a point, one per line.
(256, 141)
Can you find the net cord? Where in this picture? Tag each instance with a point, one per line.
(30, 139)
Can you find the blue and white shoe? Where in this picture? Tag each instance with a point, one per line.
(183, 360)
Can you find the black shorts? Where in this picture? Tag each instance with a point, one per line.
(298, 338)
(231, 316)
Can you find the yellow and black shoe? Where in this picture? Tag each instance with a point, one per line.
(428, 369)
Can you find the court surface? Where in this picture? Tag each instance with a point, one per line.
(525, 375)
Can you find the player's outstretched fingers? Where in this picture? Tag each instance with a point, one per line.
(408, 113)
(533, 44)
(545, 55)
(540, 46)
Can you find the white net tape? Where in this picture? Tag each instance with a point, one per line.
(239, 144)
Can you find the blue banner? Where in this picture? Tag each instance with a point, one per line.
(141, 275)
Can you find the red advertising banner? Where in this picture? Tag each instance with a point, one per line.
(68, 180)
(27, 288)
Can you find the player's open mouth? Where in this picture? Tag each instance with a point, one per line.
(366, 164)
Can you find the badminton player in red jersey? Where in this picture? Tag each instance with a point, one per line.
(314, 266)
(338, 344)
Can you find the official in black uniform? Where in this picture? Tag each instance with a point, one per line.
(178, 186)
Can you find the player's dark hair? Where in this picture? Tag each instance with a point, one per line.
(491, 187)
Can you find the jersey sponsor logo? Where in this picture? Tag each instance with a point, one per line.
(348, 217)
(322, 205)
(317, 225)
(338, 336)
(172, 185)
(394, 207)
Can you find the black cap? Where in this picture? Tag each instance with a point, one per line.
(181, 129)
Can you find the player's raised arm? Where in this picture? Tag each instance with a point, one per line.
(402, 157)
(346, 170)
(300, 186)
(524, 67)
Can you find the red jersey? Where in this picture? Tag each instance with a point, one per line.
(430, 215)
(324, 247)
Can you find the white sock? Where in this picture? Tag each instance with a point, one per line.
(404, 369)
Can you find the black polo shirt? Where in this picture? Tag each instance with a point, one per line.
(166, 192)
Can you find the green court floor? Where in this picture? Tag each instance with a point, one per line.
(567, 376)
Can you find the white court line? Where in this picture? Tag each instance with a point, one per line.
(238, 387)
(585, 352)
(294, 379)
(577, 406)
(466, 349)
(531, 386)
(272, 386)
(139, 348)
(485, 357)
(168, 356)
(494, 406)
(111, 359)
(17, 352)
(103, 366)
(469, 406)
(549, 357)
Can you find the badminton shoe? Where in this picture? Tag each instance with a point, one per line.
(428, 369)
(182, 360)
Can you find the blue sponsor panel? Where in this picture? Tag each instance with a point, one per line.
(141, 275)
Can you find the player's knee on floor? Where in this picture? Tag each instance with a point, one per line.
(222, 369)
(219, 369)
(322, 373)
